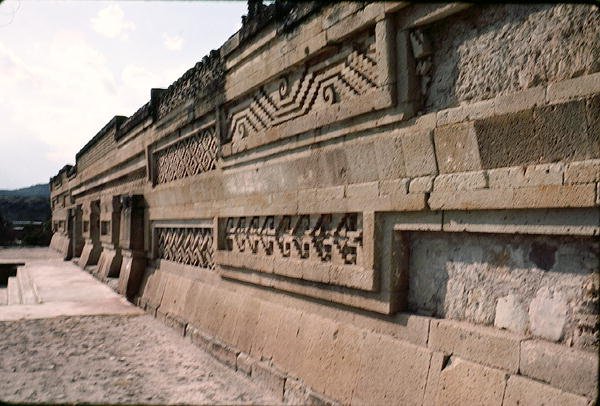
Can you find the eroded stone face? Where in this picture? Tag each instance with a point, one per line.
(523, 283)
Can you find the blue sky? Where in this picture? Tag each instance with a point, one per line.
(67, 67)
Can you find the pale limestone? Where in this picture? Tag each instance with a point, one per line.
(548, 314)
(423, 184)
(484, 345)
(523, 391)
(466, 383)
(460, 181)
(511, 314)
(566, 368)
(571, 88)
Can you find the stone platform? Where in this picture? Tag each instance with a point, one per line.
(67, 338)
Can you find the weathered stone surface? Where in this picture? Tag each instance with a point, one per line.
(523, 391)
(465, 383)
(391, 372)
(358, 160)
(269, 377)
(456, 148)
(480, 344)
(566, 368)
(548, 314)
(511, 314)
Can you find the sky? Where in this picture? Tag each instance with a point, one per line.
(67, 67)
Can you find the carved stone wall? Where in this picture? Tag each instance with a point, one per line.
(186, 157)
(188, 246)
(353, 190)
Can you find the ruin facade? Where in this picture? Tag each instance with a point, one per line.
(366, 203)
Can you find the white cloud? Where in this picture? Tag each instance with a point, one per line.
(61, 104)
(173, 43)
(111, 22)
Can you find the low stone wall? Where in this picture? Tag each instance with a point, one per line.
(387, 212)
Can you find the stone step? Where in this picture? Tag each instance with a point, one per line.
(3, 296)
(28, 295)
(14, 291)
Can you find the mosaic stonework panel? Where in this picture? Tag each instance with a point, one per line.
(335, 238)
(188, 246)
(187, 157)
(324, 84)
(323, 248)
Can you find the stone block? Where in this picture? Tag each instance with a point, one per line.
(392, 372)
(511, 314)
(549, 221)
(224, 353)
(465, 383)
(521, 100)
(456, 148)
(367, 191)
(460, 181)
(566, 368)
(244, 363)
(565, 133)
(343, 363)
(574, 88)
(438, 363)
(265, 333)
(524, 391)
(269, 377)
(545, 174)
(288, 349)
(390, 157)
(583, 171)
(548, 314)
(419, 155)
(508, 140)
(423, 184)
(295, 393)
(485, 345)
(393, 187)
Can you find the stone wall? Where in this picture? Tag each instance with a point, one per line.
(368, 203)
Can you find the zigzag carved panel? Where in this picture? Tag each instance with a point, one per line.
(188, 157)
(349, 73)
(188, 246)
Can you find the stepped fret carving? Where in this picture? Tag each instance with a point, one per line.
(188, 157)
(349, 73)
(331, 238)
(189, 246)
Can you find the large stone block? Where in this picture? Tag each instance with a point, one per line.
(456, 148)
(565, 133)
(392, 372)
(465, 383)
(484, 345)
(524, 391)
(566, 368)
(508, 140)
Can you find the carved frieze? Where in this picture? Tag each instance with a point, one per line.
(319, 92)
(326, 248)
(185, 245)
(186, 157)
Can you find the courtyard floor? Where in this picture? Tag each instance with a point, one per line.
(82, 343)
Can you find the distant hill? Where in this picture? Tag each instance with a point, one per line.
(41, 190)
(27, 204)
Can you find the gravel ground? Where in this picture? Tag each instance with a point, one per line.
(113, 359)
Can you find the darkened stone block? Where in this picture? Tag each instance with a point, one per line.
(508, 140)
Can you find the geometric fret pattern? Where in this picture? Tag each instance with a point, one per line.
(188, 246)
(335, 238)
(353, 72)
(188, 157)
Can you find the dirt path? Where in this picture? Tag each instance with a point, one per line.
(113, 359)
